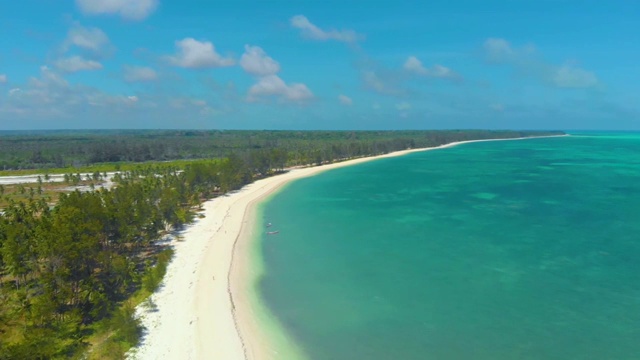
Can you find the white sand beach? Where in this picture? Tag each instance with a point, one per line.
(203, 309)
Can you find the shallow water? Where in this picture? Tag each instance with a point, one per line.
(496, 250)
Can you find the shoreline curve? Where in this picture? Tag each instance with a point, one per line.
(206, 306)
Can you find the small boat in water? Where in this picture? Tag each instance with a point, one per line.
(273, 232)
(269, 224)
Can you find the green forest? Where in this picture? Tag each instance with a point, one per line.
(67, 151)
(74, 265)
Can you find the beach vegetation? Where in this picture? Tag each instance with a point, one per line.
(90, 151)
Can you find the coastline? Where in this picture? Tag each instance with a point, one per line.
(207, 307)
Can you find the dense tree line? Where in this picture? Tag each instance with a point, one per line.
(39, 150)
(67, 267)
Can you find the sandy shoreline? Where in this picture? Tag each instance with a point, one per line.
(205, 310)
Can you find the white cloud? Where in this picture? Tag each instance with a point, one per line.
(198, 55)
(48, 79)
(374, 82)
(311, 31)
(89, 39)
(128, 9)
(50, 96)
(414, 65)
(403, 106)
(204, 108)
(500, 50)
(139, 74)
(3, 78)
(76, 63)
(497, 107)
(48, 100)
(384, 81)
(440, 71)
(93, 44)
(528, 62)
(256, 62)
(497, 49)
(274, 86)
(47, 90)
(570, 77)
(345, 100)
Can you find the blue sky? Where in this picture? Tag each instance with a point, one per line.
(562, 64)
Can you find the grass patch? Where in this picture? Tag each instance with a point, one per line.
(47, 190)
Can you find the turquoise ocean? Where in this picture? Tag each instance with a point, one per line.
(526, 249)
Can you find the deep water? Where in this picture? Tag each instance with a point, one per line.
(497, 250)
